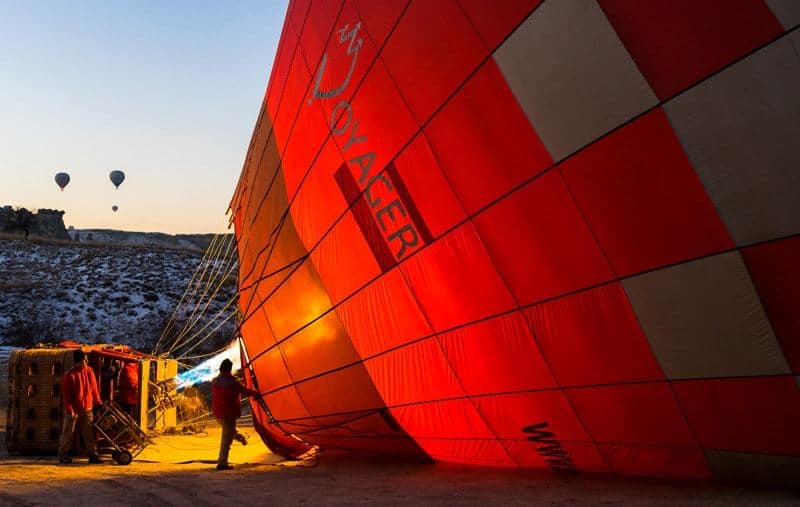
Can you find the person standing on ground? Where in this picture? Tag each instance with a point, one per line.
(80, 394)
(129, 388)
(226, 406)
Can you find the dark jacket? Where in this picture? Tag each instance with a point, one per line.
(226, 393)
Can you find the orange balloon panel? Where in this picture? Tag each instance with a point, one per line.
(529, 234)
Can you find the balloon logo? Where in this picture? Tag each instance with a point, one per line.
(114, 208)
(117, 177)
(62, 180)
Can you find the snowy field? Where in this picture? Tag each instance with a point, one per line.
(105, 293)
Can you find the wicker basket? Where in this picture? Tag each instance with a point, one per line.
(34, 402)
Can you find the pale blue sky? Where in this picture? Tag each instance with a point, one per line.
(166, 91)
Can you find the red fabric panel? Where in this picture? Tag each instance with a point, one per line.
(383, 315)
(286, 316)
(426, 374)
(442, 419)
(433, 44)
(297, 13)
(263, 175)
(508, 414)
(494, 21)
(270, 368)
(319, 203)
(667, 462)
(272, 435)
(320, 347)
(747, 414)
(318, 28)
(346, 390)
(428, 187)
(496, 355)
(484, 142)
(359, 424)
(468, 452)
(454, 280)
(280, 69)
(379, 17)
(308, 136)
(540, 243)
(343, 259)
(404, 447)
(294, 93)
(775, 270)
(593, 337)
(679, 42)
(632, 414)
(642, 198)
(340, 68)
(363, 215)
(584, 456)
(286, 404)
(246, 291)
(383, 118)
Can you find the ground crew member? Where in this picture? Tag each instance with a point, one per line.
(80, 394)
(129, 388)
(226, 406)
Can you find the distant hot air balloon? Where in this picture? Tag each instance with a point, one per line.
(117, 177)
(62, 180)
(114, 208)
(573, 245)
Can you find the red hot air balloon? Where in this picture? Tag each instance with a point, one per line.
(529, 234)
(62, 180)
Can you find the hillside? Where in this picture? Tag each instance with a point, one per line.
(53, 291)
(198, 242)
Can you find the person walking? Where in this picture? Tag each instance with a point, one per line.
(80, 394)
(226, 405)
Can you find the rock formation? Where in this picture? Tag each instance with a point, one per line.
(45, 223)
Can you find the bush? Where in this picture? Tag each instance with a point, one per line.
(29, 332)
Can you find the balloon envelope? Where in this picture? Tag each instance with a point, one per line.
(117, 177)
(62, 180)
(114, 207)
(561, 234)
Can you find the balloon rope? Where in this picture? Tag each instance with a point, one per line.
(210, 333)
(216, 264)
(229, 266)
(204, 355)
(174, 314)
(190, 339)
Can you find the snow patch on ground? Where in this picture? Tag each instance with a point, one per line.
(100, 293)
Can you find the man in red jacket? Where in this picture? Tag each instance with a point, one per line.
(129, 388)
(227, 407)
(80, 394)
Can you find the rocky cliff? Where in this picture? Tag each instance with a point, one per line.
(45, 223)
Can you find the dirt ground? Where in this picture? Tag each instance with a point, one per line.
(178, 470)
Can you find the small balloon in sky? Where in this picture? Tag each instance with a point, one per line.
(114, 208)
(117, 177)
(62, 180)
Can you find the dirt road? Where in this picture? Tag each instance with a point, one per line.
(161, 477)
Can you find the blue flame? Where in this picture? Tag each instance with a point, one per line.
(208, 369)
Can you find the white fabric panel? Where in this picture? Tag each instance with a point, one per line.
(572, 75)
(787, 12)
(740, 129)
(704, 319)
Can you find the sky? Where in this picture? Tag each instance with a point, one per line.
(167, 92)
